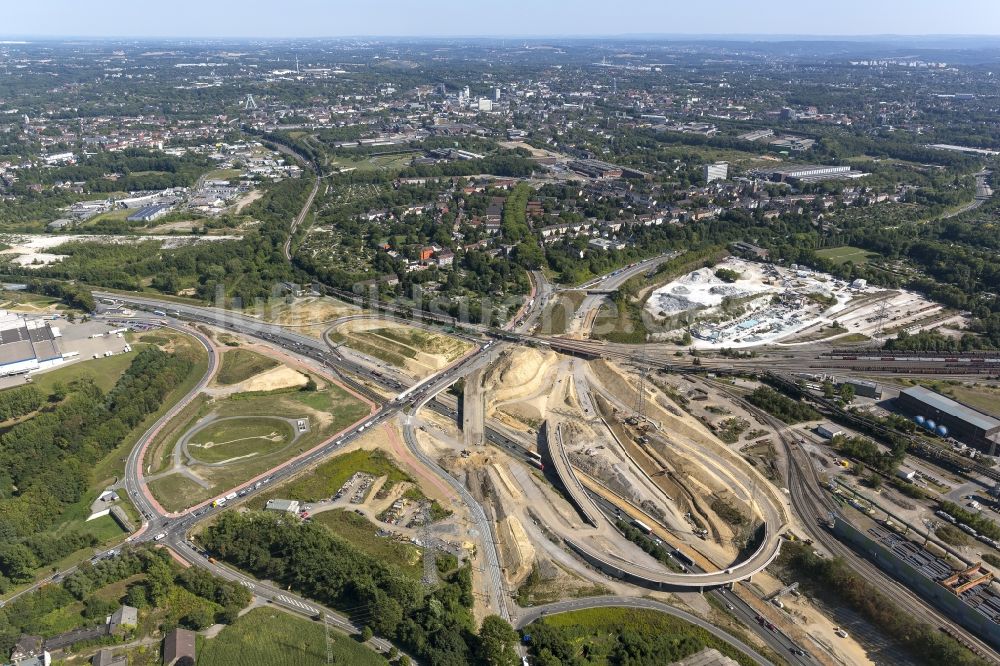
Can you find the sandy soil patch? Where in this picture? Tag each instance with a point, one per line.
(273, 379)
(520, 374)
(247, 199)
(432, 353)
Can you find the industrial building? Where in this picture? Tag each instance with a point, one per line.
(811, 172)
(717, 171)
(595, 168)
(829, 431)
(27, 345)
(149, 213)
(964, 423)
(285, 506)
(864, 389)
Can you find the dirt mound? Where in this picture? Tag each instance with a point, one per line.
(519, 374)
(518, 553)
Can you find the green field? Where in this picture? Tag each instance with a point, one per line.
(363, 535)
(329, 410)
(845, 253)
(104, 371)
(326, 479)
(373, 163)
(268, 636)
(234, 438)
(595, 633)
(241, 364)
(175, 492)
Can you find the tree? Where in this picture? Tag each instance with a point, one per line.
(847, 393)
(136, 596)
(497, 642)
(199, 618)
(366, 634)
(18, 563)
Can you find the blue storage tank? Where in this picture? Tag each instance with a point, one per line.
(929, 424)
(942, 430)
(920, 420)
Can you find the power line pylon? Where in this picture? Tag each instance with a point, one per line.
(249, 103)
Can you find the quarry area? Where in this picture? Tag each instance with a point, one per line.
(739, 304)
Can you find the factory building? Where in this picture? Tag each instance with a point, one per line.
(149, 213)
(811, 172)
(596, 168)
(717, 171)
(960, 421)
(864, 389)
(27, 346)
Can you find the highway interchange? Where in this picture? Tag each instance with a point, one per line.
(358, 376)
(324, 358)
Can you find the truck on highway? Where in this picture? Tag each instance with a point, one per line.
(642, 526)
(161, 535)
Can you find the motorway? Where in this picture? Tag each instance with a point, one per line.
(414, 398)
(344, 367)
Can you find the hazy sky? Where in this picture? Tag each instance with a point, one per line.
(331, 18)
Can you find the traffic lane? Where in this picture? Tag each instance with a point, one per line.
(772, 636)
(530, 615)
(291, 601)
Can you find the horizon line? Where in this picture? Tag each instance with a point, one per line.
(780, 36)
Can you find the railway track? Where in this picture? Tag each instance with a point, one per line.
(812, 505)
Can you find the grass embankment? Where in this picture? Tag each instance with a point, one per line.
(241, 364)
(268, 636)
(396, 344)
(362, 534)
(326, 479)
(601, 636)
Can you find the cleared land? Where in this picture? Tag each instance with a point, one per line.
(362, 534)
(238, 438)
(560, 312)
(415, 350)
(845, 253)
(267, 636)
(242, 364)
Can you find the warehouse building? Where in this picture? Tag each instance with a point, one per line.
(864, 389)
(812, 172)
(596, 169)
(962, 422)
(27, 346)
(149, 213)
